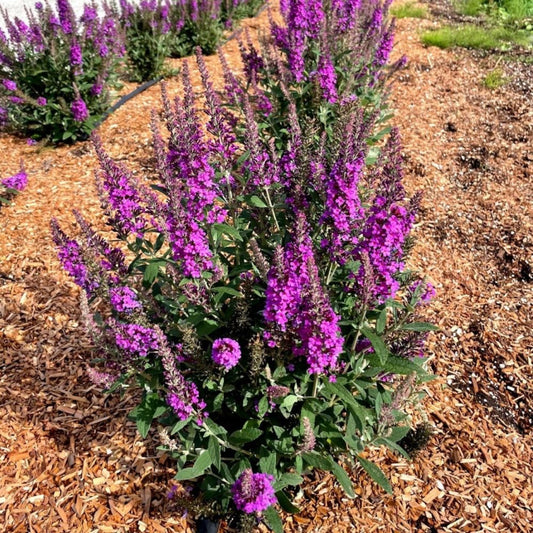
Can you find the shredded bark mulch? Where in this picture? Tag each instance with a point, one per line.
(72, 461)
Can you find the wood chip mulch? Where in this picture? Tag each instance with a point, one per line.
(70, 459)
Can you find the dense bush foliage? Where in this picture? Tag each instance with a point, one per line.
(57, 71)
(259, 296)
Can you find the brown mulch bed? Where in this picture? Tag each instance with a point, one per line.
(70, 459)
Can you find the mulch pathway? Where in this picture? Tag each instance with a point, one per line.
(71, 460)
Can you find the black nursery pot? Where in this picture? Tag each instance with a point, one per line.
(206, 525)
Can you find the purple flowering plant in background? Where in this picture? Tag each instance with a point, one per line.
(260, 296)
(58, 70)
(156, 29)
(147, 31)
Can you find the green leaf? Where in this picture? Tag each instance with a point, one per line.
(202, 463)
(178, 426)
(377, 343)
(257, 202)
(228, 230)
(289, 479)
(375, 473)
(381, 322)
(289, 401)
(225, 289)
(268, 464)
(214, 451)
(185, 473)
(285, 503)
(342, 478)
(299, 464)
(393, 446)
(214, 427)
(316, 460)
(206, 327)
(263, 406)
(273, 519)
(151, 271)
(419, 326)
(395, 365)
(398, 433)
(355, 409)
(244, 435)
(150, 407)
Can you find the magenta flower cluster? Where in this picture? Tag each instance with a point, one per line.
(135, 340)
(253, 492)
(17, 182)
(120, 194)
(76, 57)
(10, 85)
(124, 300)
(226, 352)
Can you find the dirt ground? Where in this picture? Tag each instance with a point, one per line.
(71, 461)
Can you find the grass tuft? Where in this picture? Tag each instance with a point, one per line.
(471, 8)
(409, 10)
(471, 36)
(494, 79)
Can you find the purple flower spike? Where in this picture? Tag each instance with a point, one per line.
(253, 493)
(183, 396)
(71, 258)
(10, 85)
(327, 78)
(41, 101)
(76, 57)
(226, 352)
(79, 110)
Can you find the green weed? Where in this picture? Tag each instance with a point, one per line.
(471, 8)
(517, 9)
(495, 79)
(409, 10)
(471, 36)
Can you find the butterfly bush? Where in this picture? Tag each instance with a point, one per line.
(57, 71)
(258, 291)
(156, 29)
(146, 26)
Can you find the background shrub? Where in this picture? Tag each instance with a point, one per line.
(146, 27)
(57, 71)
(195, 23)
